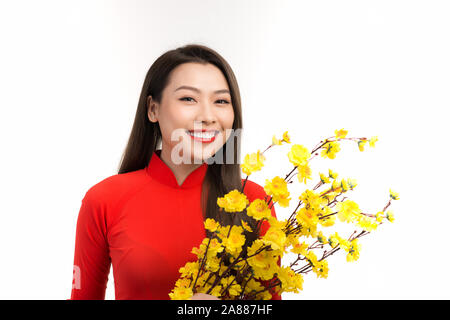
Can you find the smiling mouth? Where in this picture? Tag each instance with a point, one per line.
(207, 136)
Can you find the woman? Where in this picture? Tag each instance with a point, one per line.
(146, 219)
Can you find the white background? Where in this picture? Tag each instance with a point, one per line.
(72, 71)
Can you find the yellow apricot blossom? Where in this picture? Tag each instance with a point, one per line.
(353, 251)
(211, 224)
(286, 137)
(276, 141)
(277, 188)
(330, 149)
(393, 195)
(320, 268)
(372, 141)
(340, 134)
(233, 201)
(298, 155)
(304, 173)
(253, 162)
(367, 223)
(332, 174)
(275, 237)
(361, 144)
(246, 226)
(324, 178)
(180, 293)
(348, 211)
(282, 199)
(258, 209)
(390, 216)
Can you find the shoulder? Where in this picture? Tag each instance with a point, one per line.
(253, 190)
(109, 190)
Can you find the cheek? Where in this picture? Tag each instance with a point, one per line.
(228, 119)
(173, 119)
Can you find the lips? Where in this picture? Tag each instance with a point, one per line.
(203, 135)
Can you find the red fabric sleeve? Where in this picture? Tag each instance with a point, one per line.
(91, 261)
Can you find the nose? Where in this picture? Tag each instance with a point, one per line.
(206, 114)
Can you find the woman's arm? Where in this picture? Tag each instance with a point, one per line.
(91, 260)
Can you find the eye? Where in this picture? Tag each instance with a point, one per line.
(225, 101)
(182, 99)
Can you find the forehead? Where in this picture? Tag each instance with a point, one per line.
(206, 77)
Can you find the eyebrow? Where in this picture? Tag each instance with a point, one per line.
(197, 90)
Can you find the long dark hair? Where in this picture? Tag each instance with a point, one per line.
(145, 135)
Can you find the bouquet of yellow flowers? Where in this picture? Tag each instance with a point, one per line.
(301, 234)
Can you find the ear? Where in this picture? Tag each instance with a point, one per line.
(152, 109)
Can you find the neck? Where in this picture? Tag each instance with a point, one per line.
(180, 171)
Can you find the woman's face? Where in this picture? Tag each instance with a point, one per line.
(196, 98)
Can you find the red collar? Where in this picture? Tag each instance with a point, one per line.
(158, 170)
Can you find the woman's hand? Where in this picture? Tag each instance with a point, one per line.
(203, 296)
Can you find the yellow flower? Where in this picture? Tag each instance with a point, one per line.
(223, 231)
(299, 248)
(275, 237)
(180, 293)
(331, 174)
(290, 281)
(361, 144)
(351, 183)
(214, 247)
(321, 237)
(379, 216)
(367, 223)
(200, 251)
(276, 188)
(311, 257)
(235, 240)
(253, 162)
(298, 155)
(212, 263)
(246, 226)
(234, 289)
(334, 240)
(308, 219)
(304, 173)
(321, 269)
(390, 216)
(372, 141)
(340, 133)
(234, 201)
(311, 199)
(282, 200)
(335, 185)
(344, 185)
(330, 149)
(267, 271)
(393, 195)
(286, 137)
(329, 220)
(353, 251)
(253, 285)
(276, 141)
(183, 282)
(264, 263)
(211, 224)
(324, 178)
(348, 211)
(258, 209)
(216, 290)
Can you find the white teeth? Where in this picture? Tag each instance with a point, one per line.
(202, 135)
